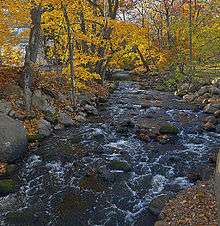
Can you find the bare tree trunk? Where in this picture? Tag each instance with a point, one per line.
(32, 53)
(190, 39)
(71, 55)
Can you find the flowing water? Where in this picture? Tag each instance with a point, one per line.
(69, 180)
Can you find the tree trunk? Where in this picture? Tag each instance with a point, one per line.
(144, 62)
(32, 53)
(71, 55)
(190, 39)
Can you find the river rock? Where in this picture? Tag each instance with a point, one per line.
(217, 128)
(44, 128)
(13, 141)
(212, 108)
(169, 129)
(7, 186)
(217, 114)
(90, 109)
(209, 127)
(216, 82)
(120, 165)
(158, 203)
(65, 119)
(214, 90)
(210, 119)
(5, 107)
(189, 97)
(39, 100)
(203, 90)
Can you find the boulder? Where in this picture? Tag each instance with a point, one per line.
(44, 128)
(158, 203)
(13, 141)
(5, 107)
(65, 119)
(169, 129)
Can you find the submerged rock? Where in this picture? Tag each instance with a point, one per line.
(92, 182)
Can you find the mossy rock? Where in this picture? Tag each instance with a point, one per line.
(7, 186)
(92, 182)
(51, 117)
(32, 138)
(11, 169)
(120, 165)
(169, 129)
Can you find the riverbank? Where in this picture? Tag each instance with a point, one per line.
(195, 206)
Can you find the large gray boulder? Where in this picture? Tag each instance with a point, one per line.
(13, 141)
(5, 107)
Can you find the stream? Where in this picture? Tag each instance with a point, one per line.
(70, 178)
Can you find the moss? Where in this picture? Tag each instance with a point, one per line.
(169, 129)
(32, 138)
(120, 165)
(7, 186)
(51, 117)
(92, 182)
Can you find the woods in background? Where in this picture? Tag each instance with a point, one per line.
(83, 39)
